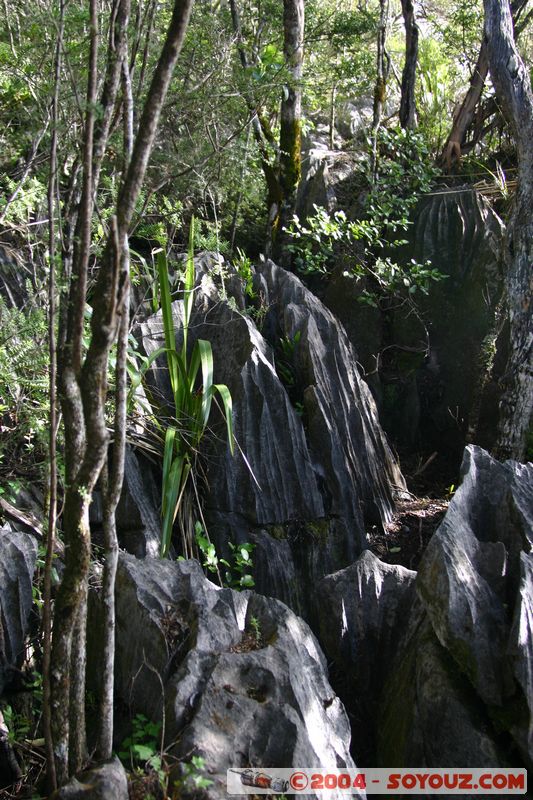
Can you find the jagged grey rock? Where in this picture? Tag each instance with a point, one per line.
(460, 687)
(316, 467)
(429, 715)
(18, 555)
(269, 431)
(344, 433)
(103, 782)
(363, 612)
(521, 651)
(474, 579)
(471, 569)
(242, 680)
(138, 516)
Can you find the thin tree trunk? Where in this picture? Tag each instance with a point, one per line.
(64, 683)
(332, 119)
(149, 120)
(82, 241)
(290, 139)
(78, 665)
(113, 476)
(240, 194)
(512, 83)
(380, 89)
(52, 442)
(112, 497)
(407, 102)
(262, 133)
(463, 118)
(117, 53)
(281, 179)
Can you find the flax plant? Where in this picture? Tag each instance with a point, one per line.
(193, 391)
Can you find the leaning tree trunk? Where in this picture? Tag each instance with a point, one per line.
(512, 83)
(290, 138)
(464, 116)
(407, 102)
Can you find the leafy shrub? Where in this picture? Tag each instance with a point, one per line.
(361, 246)
(238, 573)
(142, 745)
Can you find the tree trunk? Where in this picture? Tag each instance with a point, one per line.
(65, 677)
(408, 103)
(464, 116)
(262, 133)
(84, 383)
(512, 83)
(113, 475)
(282, 174)
(382, 74)
(290, 139)
(53, 416)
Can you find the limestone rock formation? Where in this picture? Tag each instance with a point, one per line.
(428, 369)
(363, 612)
(241, 679)
(465, 658)
(18, 555)
(313, 467)
(103, 782)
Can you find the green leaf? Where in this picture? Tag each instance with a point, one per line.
(225, 396)
(190, 275)
(142, 752)
(206, 358)
(168, 320)
(168, 456)
(172, 488)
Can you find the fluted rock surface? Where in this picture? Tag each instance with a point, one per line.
(313, 468)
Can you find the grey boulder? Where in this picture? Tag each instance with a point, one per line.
(239, 679)
(459, 689)
(429, 716)
(313, 467)
(103, 782)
